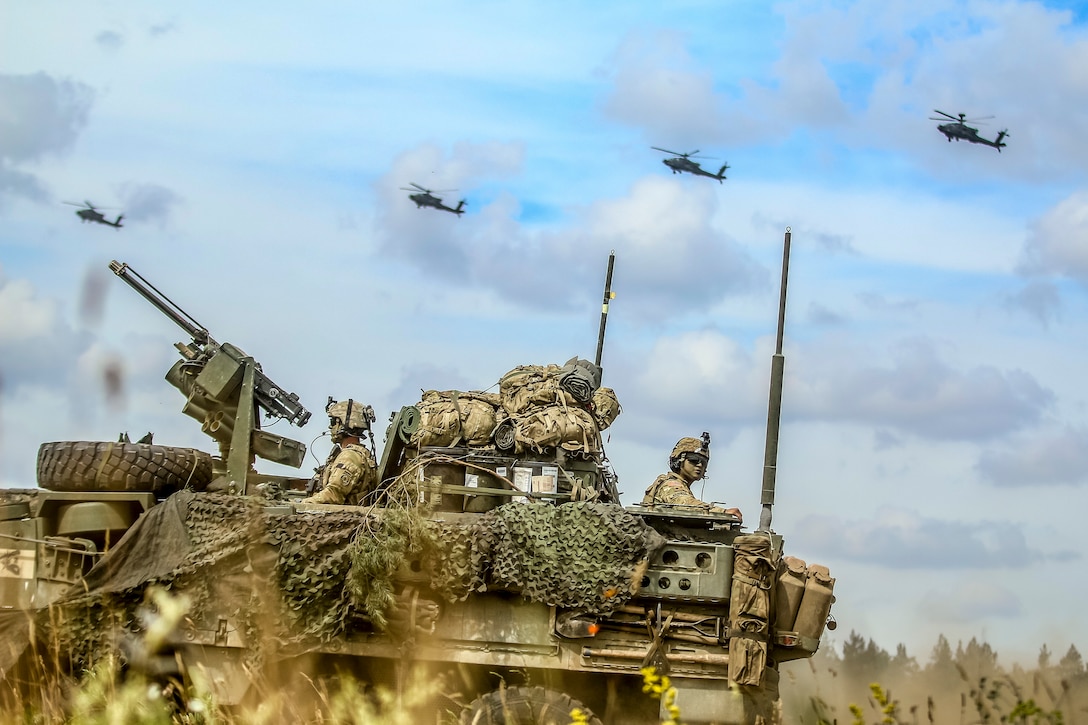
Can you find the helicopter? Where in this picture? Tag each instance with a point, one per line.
(683, 162)
(425, 197)
(89, 214)
(959, 129)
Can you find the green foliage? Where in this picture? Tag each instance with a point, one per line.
(378, 552)
(1028, 709)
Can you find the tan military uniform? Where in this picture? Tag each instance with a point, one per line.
(670, 488)
(348, 478)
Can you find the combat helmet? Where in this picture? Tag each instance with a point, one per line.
(688, 445)
(348, 417)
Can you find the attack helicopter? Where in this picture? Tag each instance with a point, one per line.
(683, 162)
(88, 213)
(959, 129)
(425, 197)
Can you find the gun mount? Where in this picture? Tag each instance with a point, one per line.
(224, 388)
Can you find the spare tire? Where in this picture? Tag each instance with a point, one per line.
(95, 466)
(524, 706)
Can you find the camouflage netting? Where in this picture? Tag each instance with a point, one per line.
(578, 555)
(225, 552)
(582, 555)
(291, 579)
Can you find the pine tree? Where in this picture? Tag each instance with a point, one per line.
(941, 657)
(861, 658)
(977, 660)
(902, 663)
(1044, 658)
(1071, 664)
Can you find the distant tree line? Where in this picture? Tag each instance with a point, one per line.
(865, 683)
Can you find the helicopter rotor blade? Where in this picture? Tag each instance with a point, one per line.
(946, 115)
(674, 153)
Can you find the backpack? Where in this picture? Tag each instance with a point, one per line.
(451, 417)
(571, 428)
(606, 407)
(528, 386)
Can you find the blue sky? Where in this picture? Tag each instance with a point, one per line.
(932, 453)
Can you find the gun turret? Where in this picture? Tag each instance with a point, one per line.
(224, 388)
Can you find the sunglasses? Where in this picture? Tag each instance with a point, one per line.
(697, 458)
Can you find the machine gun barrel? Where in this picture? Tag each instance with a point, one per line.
(271, 398)
(184, 320)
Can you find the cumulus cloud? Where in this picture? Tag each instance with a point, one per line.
(162, 29)
(20, 183)
(109, 39)
(36, 344)
(982, 58)
(700, 374)
(671, 256)
(1037, 298)
(820, 314)
(904, 539)
(414, 379)
(424, 236)
(969, 601)
(41, 116)
(148, 202)
(915, 394)
(659, 87)
(1056, 459)
(918, 393)
(1058, 243)
(867, 74)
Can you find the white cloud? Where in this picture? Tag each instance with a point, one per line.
(1058, 244)
(904, 539)
(148, 202)
(1056, 458)
(25, 316)
(41, 115)
(916, 392)
(970, 601)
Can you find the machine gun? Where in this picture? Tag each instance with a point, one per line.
(223, 389)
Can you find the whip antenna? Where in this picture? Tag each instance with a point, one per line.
(774, 405)
(608, 296)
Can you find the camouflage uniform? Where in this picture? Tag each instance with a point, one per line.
(670, 488)
(673, 488)
(348, 478)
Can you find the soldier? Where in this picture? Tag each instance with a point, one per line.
(350, 472)
(687, 464)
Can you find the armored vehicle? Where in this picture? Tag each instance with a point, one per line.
(494, 557)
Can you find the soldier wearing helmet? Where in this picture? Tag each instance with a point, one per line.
(687, 464)
(350, 472)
